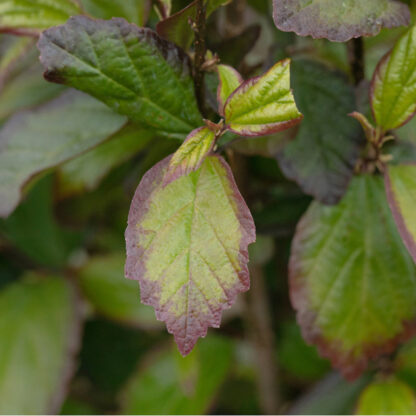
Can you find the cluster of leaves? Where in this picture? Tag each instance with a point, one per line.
(352, 275)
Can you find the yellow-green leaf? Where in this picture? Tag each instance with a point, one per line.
(187, 245)
(230, 80)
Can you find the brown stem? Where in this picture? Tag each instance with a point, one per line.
(356, 59)
(200, 52)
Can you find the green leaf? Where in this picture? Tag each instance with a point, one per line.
(339, 20)
(187, 245)
(322, 157)
(103, 283)
(393, 90)
(177, 29)
(86, 171)
(263, 105)
(164, 7)
(134, 11)
(190, 156)
(40, 334)
(33, 141)
(352, 281)
(173, 385)
(401, 193)
(387, 397)
(230, 80)
(30, 17)
(130, 69)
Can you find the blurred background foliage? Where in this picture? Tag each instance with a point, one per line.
(62, 256)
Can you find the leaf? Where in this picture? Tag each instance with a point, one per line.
(263, 105)
(36, 140)
(400, 183)
(40, 334)
(189, 383)
(387, 397)
(25, 17)
(103, 284)
(85, 172)
(339, 20)
(177, 29)
(130, 69)
(190, 156)
(352, 281)
(134, 11)
(322, 157)
(187, 245)
(393, 89)
(230, 80)
(164, 7)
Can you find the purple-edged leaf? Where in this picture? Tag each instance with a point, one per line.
(177, 28)
(190, 156)
(322, 157)
(339, 20)
(187, 245)
(39, 337)
(33, 141)
(131, 69)
(263, 105)
(352, 281)
(400, 183)
(393, 88)
(25, 17)
(230, 80)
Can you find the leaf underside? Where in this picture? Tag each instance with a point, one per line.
(352, 281)
(187, 245)
(131, 69)
(339, 20)
(393, 88)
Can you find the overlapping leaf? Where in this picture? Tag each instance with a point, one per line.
(322, 157)
(34, 141)
(187, 245)
(401, 193)
(393, 93)
(32, 16)
(190, 156)
(388, 396)
(263, 105)
(352, 281)
(339, 20)
(39, 335)
(130, 69)
(230, 80)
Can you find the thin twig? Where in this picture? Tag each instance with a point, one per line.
(356, 59)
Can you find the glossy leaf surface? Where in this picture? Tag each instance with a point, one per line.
(130, 69)
(393, 94)
(263, 105)
(31, 17)
(230, 80)
(387, 397)
(187, 245)
(339, 20)
(401, 193)
(33, 141)
(322, 156)
(352, 281)
(191, 383)
(39, 335)
(190, 156)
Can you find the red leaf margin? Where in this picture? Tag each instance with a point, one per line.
(136, 263)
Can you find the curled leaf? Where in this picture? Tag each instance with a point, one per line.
(230, 80)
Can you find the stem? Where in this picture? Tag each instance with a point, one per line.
(356, 59)
(200, 52)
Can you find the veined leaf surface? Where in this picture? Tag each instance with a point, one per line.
(131, 69)
(401, 193)
(352, 281)
(230, 80)
(263, 105)
(393, 90)
(339, 20)
(187, 245)
(30, 17)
